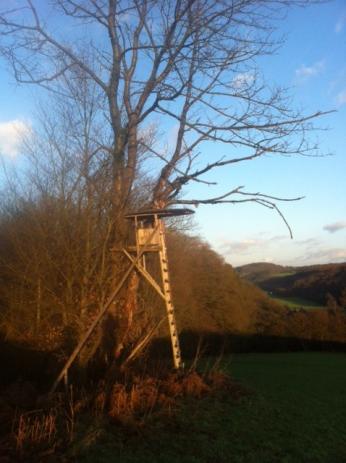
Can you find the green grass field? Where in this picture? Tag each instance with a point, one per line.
(283, 274)
(296, 303)
(297, 414)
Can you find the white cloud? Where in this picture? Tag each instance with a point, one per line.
(307, 242)
(334, 227)
(243, 80)
(11, 133)
(326, 255)
(305, 72)
(250, 245)
(172, 136)
(340, 23)
(282, 250)
(341, 98)
(242, 247)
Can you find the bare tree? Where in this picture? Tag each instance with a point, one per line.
(126, 73)
(189, 66)
(56, 227)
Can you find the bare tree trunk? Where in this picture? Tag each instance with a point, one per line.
(38, 304)
(126, 315)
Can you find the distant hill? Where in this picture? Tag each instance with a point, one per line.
(261, 271)
(211, 296)
(311, 282)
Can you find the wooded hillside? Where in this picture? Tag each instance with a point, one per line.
(316, 282)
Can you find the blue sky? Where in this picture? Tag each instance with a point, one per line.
(312, 61)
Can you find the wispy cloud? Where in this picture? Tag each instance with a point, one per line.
(341, 97)
(309, 243)
(326, 255)
(249, 245)
(340, 24)
(304, 72)
(280, 250)
(11, 133)
(243, 246)
(243, 80)
(334, 227)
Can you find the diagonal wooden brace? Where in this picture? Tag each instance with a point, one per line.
(145, 274)
(102, 312)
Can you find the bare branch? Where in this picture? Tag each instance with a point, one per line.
(191, 64)
(257, 198)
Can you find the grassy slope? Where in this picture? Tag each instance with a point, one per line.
(298, 303)
(296, 415)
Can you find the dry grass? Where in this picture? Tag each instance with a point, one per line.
(136, 402)
(128, 403)
(138, 399)
(34, 431)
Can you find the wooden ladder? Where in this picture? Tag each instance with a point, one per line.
(178, 364)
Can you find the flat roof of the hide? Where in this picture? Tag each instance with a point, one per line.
(160, 213)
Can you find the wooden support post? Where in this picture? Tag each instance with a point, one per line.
(99, 317)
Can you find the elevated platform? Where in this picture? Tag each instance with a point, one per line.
(160, 213)
(148, 248)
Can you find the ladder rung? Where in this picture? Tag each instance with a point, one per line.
(169, 304)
